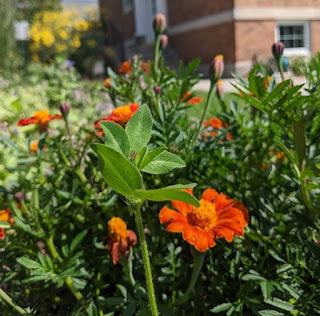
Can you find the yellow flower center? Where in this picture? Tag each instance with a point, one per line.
(117, 229)
(42, 117)
(203, 216)
(122, 110)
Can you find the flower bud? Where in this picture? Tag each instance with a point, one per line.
(277, 50)
(216, 69)
(159, 23)
(107, 83)
(157, 90)
(163, 41)
(18, 197)
(65, 109)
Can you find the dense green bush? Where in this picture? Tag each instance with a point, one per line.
(262, 150)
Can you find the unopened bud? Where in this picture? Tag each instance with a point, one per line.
(277, 50)
(163, 41)
(65, 109)
(18, 197)
(216, 69)
(107, 83)
(220, 89)
(157, 90)
(159, 23)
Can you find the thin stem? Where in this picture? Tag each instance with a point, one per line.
(6, 298)
(52, 248)
(196, 134)
(198, 259)
(146, 260)
(73, 289)
(156, 53)
(279, 65)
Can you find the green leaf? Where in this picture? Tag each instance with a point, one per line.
(163, 163)
(92, 309)
(121, 175)
(220, 308)
(77, 240)
(116, 137)
(280, 304)
(165, 194)
(151, 155)
(141, 154)
(266, 289)
(139, 128)
(268, 312)
(28, 263)
(253, 276)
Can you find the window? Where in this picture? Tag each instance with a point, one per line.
(127, 6)
(295, 36)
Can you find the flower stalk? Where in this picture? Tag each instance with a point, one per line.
(196, 134)
(198, 259)
(6, 298)
(146, 260)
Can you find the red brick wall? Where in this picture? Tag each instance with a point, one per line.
(206, 43)
(253, 37)
(314, 34)
(123, 21)
(277, 3)
(180, 11)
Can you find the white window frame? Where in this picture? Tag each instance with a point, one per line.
(125, 7)
(299, 51)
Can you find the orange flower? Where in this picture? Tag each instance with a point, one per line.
(34, 146)
(6, 216)
(2, 235)
(216, 217)
(280, 155)
(186, 96)
(42, 118)
(120, 115)
(195, 100)
(145, 67)
(267, 81)
(229, 136)
(125, 68)
(120, 239)
(107, 83)
(215, 123)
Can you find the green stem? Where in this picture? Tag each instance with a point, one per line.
(52, 248)
(279, 65)
(6, 298)
(73, 289)
(196, 134)
(146, 260)
(198, 259)
(156, 53)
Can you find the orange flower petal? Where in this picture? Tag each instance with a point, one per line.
(198, 237)
(167, 215)
(27, 121)
(209, 194)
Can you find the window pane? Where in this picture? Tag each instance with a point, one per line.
(292, 35)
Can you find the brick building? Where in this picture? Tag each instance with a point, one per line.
(238, 29)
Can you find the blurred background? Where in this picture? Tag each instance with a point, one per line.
(92, 35)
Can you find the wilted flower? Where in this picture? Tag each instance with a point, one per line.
(42, 118)
(216, 69)
(6, 216)
(18, 197)
(277, 49)
(125, 68)
(120, 239)
(217, 217)
(163, 41)
(107, 83)
(159, 23)
(120, 115)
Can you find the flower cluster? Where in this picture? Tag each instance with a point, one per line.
(212, 125)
